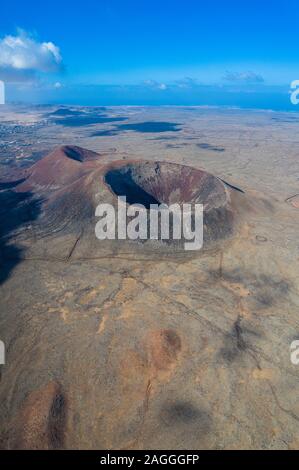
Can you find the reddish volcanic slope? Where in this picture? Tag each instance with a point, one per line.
(61, 167)
(70, 182)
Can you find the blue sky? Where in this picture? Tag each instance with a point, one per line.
(150, 52)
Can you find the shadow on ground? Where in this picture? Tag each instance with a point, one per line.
(17, 210)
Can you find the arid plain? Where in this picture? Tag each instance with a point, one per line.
(127, 346)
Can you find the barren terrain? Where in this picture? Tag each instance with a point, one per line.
(127, 345)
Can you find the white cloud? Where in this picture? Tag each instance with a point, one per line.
(162, 86)
(22, 56)
(155, 85)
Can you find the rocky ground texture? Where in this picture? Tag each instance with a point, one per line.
(126, 346)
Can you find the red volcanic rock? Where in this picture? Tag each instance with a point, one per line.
(164, 347)
(41, 421)
(70, 182)
(148, 183)
(170, 183)
(61, 167)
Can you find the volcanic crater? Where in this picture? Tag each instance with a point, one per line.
(72, 181)
(147, 183)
